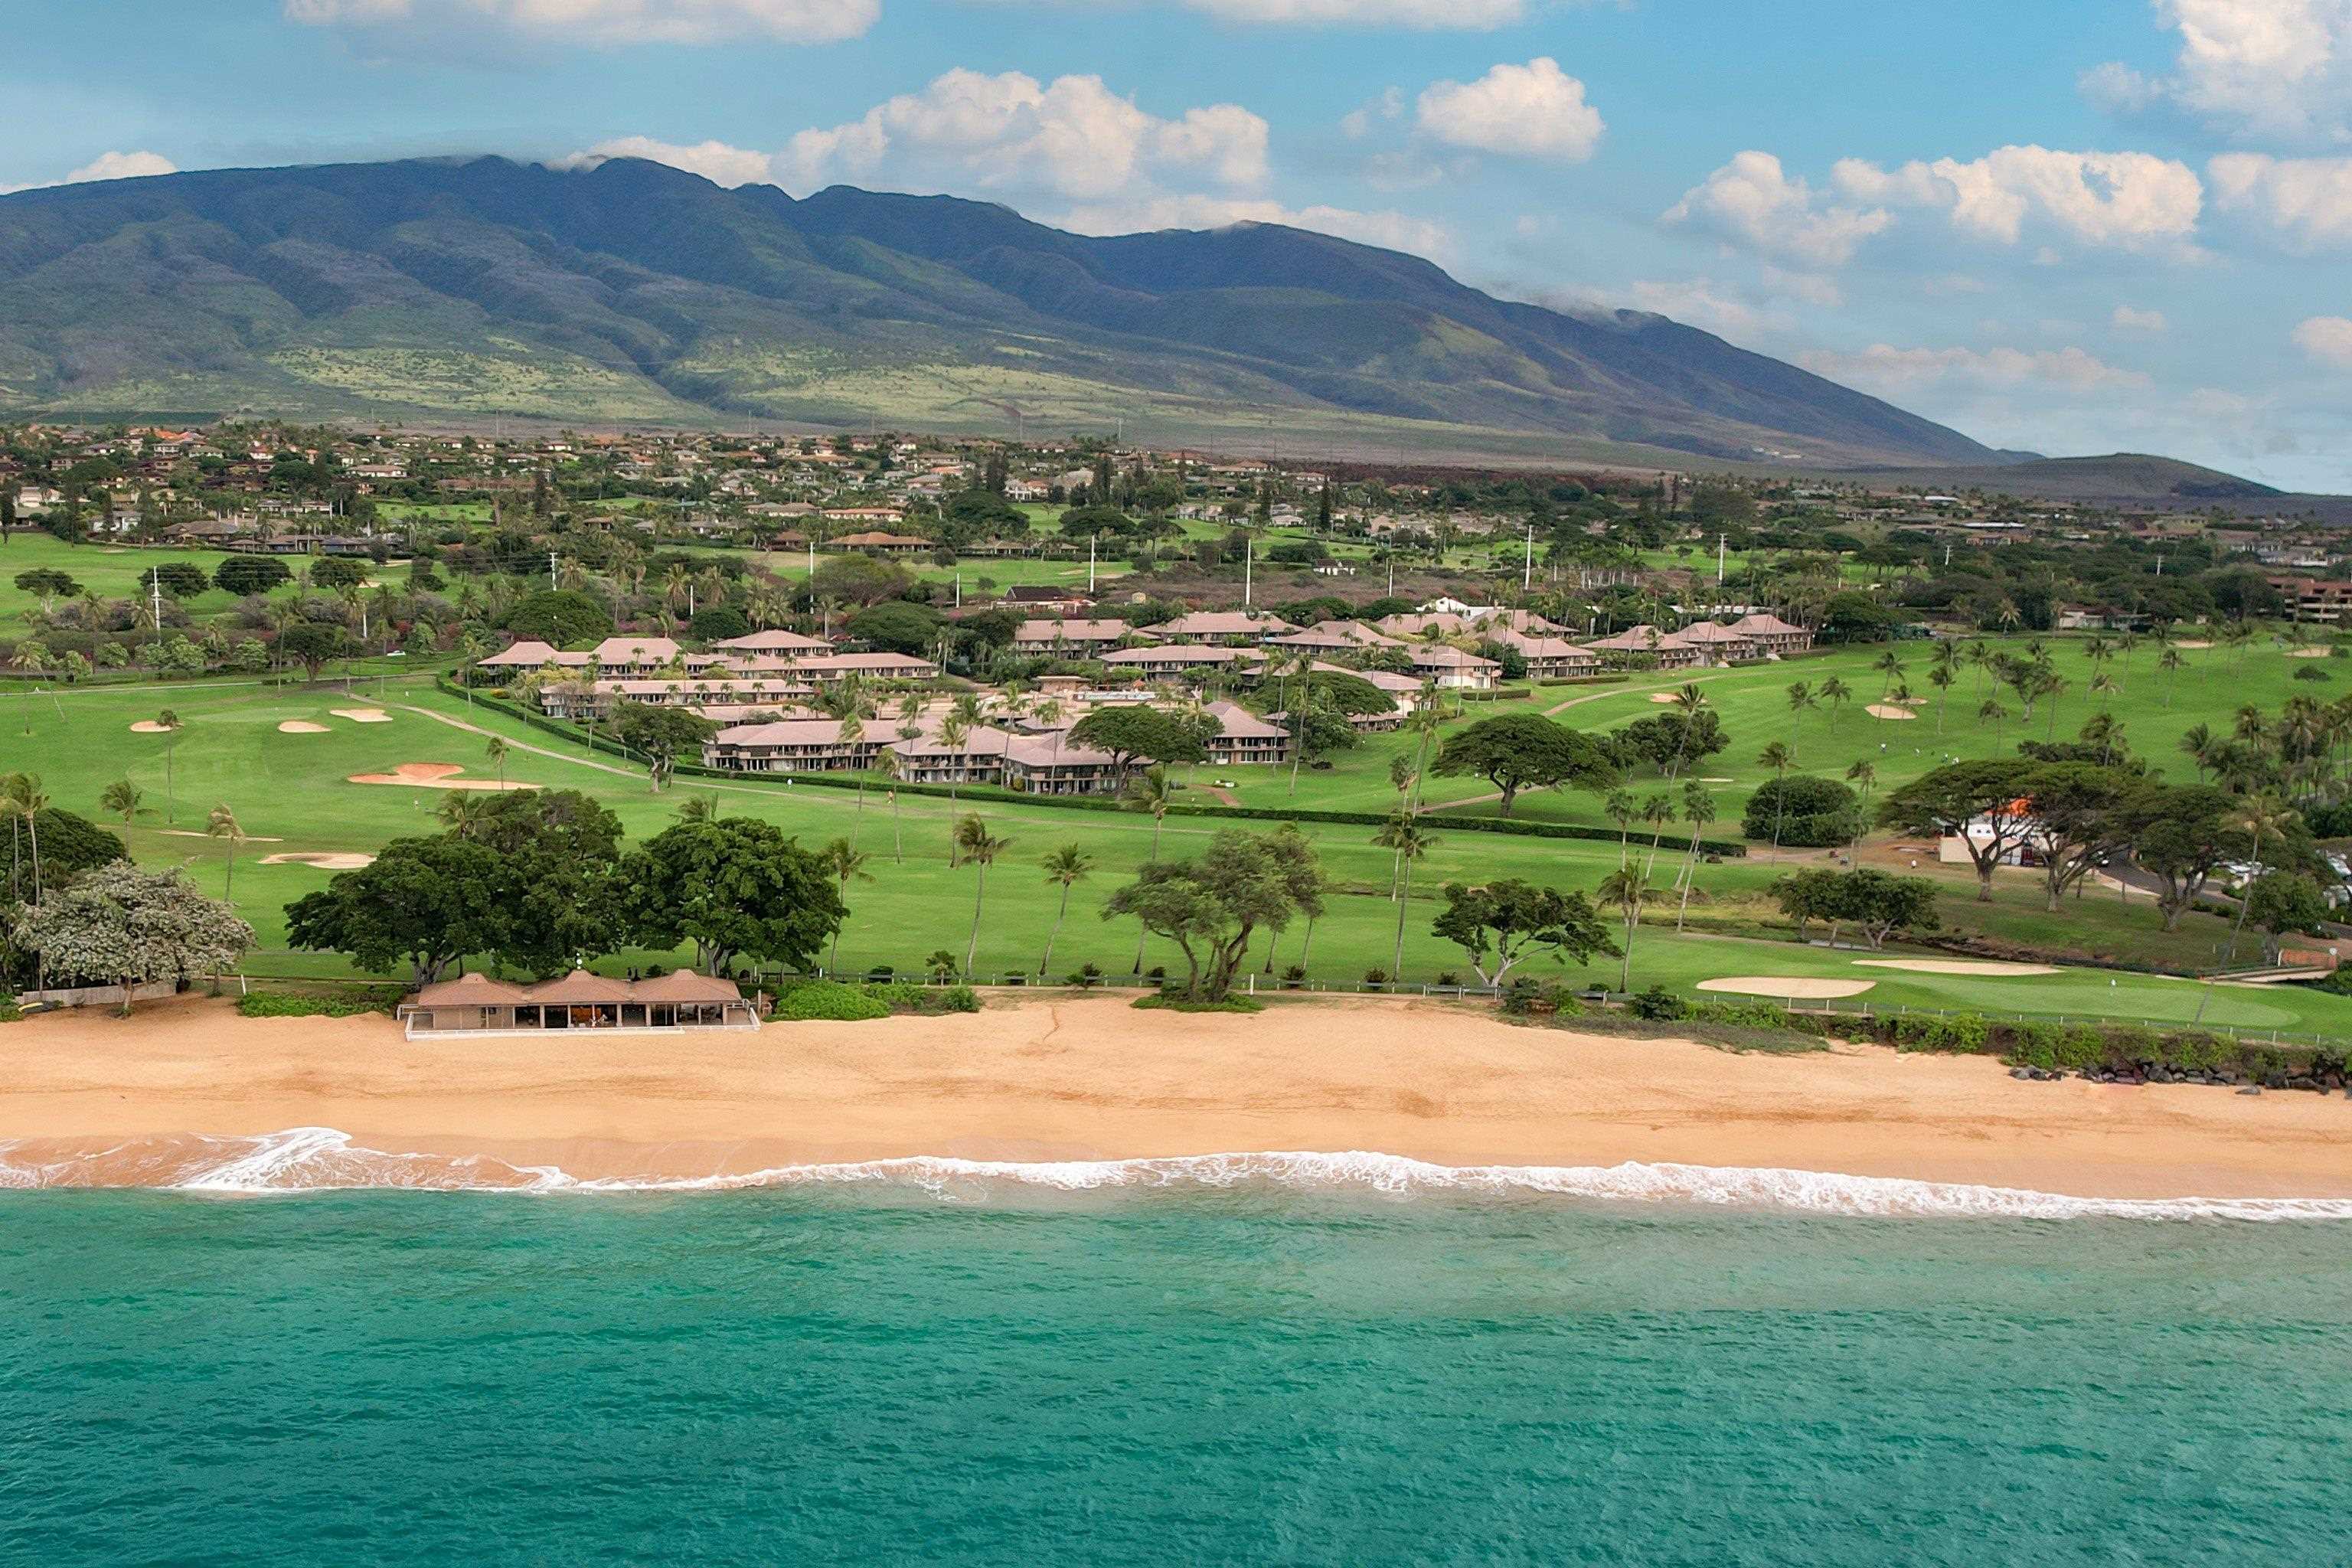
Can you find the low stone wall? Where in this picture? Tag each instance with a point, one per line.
(101, 995)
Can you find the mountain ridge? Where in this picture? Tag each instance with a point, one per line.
(633, 291)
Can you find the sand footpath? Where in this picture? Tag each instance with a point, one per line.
(1065, 1078)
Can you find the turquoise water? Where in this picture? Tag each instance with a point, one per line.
(1259, 1376)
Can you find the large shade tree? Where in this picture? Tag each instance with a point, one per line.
(736, 887)
(1518, 751)
(1211, 907)
(119, 925)
(1505, 923)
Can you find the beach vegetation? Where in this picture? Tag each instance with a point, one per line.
(829, 1001)
(425, 903)
(735, 887)
(1211, 907)
(1161, 1001)
(118, 925)
(1504, 923)
(297, 1005)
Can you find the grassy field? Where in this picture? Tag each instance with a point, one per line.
(110, 570)
(292, 794)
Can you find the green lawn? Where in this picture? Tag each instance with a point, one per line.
(292, 789)
(110, 570)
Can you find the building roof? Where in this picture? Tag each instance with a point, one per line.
(529, 652)
(875, 540)
(762, 642)
(789, 733)
(636, 650)
(1180, 656)
(1710, 632)
(580, 988)
(475, 990)
(1439, 655)
(1074, 629)
(685, 985)
(1236, 722)
(1765, 624)
(1642, 639)
(1224, 624)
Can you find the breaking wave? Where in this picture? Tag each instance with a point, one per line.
(320, 1159)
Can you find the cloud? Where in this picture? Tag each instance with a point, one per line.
(1715, 308)
(2261, 67)
(1947, 283)
(2128, 319)
(1428, 14)
(1893, 372)
(106, 166)
(1534, 110)
(608, 22)
(2327, 339)
(2129, 200)
(714, 160)
(1391, 230)
(2308, 200)
(1751, 200)
(1073, 137)
(1357, 122)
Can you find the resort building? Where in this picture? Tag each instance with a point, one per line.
(1182, 662)
(825, 669)
(775, 642)
(615, 658)
(1720, 645)
(1669, 650)
(1081, 637)
(478, 1005)
(1335, 637)
(1243, 737)
(589, 700)
(1549, 657)
(1452, 669)
(1222, 626)
(791, 746)
(1776, 637)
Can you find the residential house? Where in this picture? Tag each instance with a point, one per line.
(1243, 737)
(1222, 626)
(1776, 637)
(1668, 650)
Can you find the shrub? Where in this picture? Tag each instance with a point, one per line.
(829, 1001)
(1657, 1004)
(1159, 1001)
(1089, 975)
(902, 996)
(1746, 1014)
(283, 1005)
(1805, 813)
(1526, 997)
(1376, 975)
(1447, 977)
(1961, 1033)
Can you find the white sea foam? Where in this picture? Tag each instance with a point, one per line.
(320, 1159)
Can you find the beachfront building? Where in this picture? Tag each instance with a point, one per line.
(478, 1005)
(592, 700)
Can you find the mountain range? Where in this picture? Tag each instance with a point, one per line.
(632, 292)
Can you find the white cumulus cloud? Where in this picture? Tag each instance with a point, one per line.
(2326, 340)
(1389, 230)
(608, 22)
(1536, 109)
(106, 166)
(2308, 200)
(1072, 136)
(2264, 68)
(2129, 320)
(1752, 200)
(1705, 303)
(714, 160)
(2130, 200)
(1892, 371)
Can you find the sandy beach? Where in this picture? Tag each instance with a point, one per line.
(124, 1102)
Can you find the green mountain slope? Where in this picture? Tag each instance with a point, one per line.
(635, 292)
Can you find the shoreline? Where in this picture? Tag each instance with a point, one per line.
(185, 1090)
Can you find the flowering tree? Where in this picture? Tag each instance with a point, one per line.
(120, 925)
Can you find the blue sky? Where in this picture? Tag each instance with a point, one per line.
(2080, 227)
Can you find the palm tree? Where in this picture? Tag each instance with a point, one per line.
(1619, 807)
(1864, 775)
(497, 752)
(1941, 678)
(1410, 841)
(170, 722)
(1889, 665)
(121, 798)
(1657, 812)
(2051, 685)
(1802, 701)
(2170, 661)
(954, 734)
(847, 864)
(886, 763)
(1779, 759)
(1698, 810)
(222, 824)
(979, 847)
(1152, 789)
(1065, 867)
(22, 797)
(1627, 891)
(464, 812)
(1837, 694)
(698, 808)
(851, 733)
(1990, 708)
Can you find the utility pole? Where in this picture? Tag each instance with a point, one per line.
(1091, 538)
(1249, 561)
(551, 569)
(1527, 572)
(1719, 542)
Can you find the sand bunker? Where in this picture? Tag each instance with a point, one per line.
(149, 727)
(362, 715)
(323, 862)
(1888, 710)
(2192, 646)
(1662, 697)
(1787, 986)
(300, 727)
(196, 833)
(1956, 966)
(2306, 653)
(433, 775)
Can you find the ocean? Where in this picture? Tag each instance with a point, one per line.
(972, 1368)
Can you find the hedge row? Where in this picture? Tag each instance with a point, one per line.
(1729, 848)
